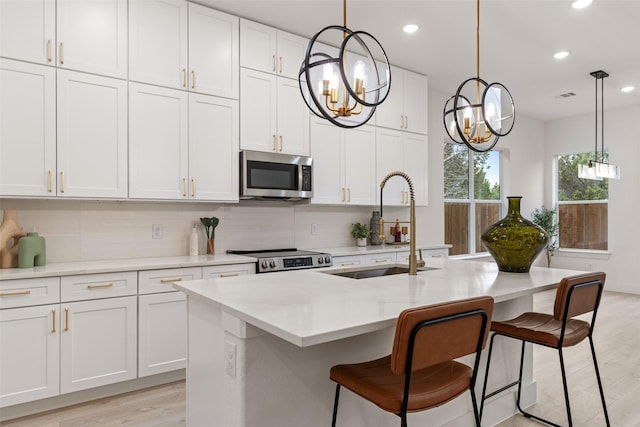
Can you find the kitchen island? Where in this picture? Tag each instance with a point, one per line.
(260, 347)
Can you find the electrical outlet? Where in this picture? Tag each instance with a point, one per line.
(156, 231)
(230, 358)
(314, 229)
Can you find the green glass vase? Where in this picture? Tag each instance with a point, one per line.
(514, 242)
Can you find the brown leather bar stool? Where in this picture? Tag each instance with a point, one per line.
(420, 373)
(576, 295)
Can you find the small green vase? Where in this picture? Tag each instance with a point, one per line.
(514, 242)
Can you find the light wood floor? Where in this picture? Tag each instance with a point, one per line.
(617, 342)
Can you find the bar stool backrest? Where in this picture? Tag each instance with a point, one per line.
(444, 332)
(578, 294)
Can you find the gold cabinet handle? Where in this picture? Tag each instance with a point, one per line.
(49, 173)
(274, 63)
(53, 321)
(401, 122)
(281, 65)
(343, 195)
(406, 122)
(104, 285)
(348, 195)
(11, 294)
(280, 142)
(184, 77)
(381, 260)
(229, 274)
(61, 53)
(274, 143)
(66, 319)
(173, 279)
(193, 187)
(346, 264)
(184, 187)
(193, 79)
(49, 51)
(62, 181)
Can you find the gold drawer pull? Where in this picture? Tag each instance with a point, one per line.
(281, 65)
(10, 294)
(66, 319)
(184, 187)
(280, 142)
(62, 181)
(48, 50)
(50, 181)
(229, 274)
(274, 63)
(193, 79)
(61, 53)
(184, 77)
(381, 260)
(193, 187)
(344, 264)
(275, 144)
(174, 279)
(105, 285)
(53, 321)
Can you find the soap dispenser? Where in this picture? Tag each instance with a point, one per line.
(193, 241)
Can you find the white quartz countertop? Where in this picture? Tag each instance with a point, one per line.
(132, 264)
(364, 250)
(308, 307)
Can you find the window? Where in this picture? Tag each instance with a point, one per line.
(582, 205)
(468, 173)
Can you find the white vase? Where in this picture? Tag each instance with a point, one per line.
(361, 241)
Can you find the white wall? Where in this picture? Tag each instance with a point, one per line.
(576, 134)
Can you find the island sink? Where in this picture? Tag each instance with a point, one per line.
(366, 273)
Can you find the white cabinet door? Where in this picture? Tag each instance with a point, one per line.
(390, 113)
(158, 142)
(92, 36)
(416, 165)
(213, 52)
(158, 42)
(162, 333)
(293, 119)
(258, 111)
(291, 52)
(389, 158)
(258, 44)
(213, 148)
(27, 129)
(348, 260)
(415, 102)
(92, 136)
(28, 30)
(29, 354)
(97, 343)
(231, 270)
(380, 258)
(157, 281)
(326, 150)
(359, 165)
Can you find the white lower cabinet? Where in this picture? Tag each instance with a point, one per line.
(29, 354)
(231, 270)
(380, 258)
(97, 343)
(348, 261)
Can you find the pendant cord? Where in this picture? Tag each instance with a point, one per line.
(596, 138)
(344, 14)
(602, 120)
(478, 38)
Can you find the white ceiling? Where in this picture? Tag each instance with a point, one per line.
(517, 41)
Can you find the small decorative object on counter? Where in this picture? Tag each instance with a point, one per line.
(10, 233)
(210, 225)
(193, 241)
(374, 225)
(360, 232)
(514, 242)
(32, 251)
(397, 233)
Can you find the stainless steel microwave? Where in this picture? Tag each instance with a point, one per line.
(275, 176)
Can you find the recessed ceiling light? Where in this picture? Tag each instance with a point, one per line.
(410, 28)
(561, 55)
(627, 89)
(580, 4)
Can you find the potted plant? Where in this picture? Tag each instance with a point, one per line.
(546, 219)
(360, 232)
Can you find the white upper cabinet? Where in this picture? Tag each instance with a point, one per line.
(158, 42)
(344, 164)
(92, 136)
(406, 106)
(274, 117)
(213, 52)
(405, 152)
(27, 129)
(181, 45)
(86, 36)
(267, 49)
(92, 36)
(28, 30)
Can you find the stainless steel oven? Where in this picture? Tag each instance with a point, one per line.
(275, 175)
(270, 260)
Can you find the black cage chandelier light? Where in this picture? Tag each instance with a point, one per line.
(479, 113)
(344, 85)
(599, 168)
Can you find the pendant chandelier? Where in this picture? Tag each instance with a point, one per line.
(598, 168)
(345, 84)
(479, 113)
